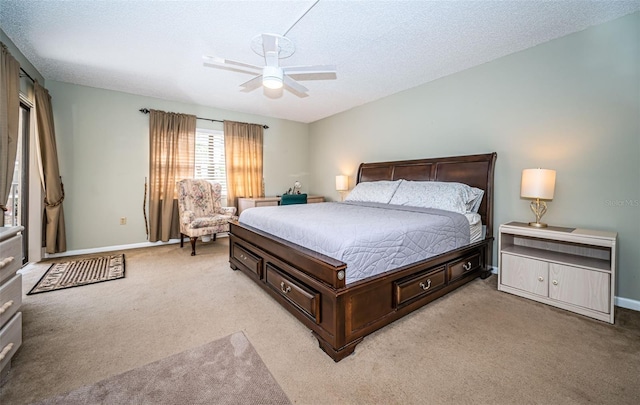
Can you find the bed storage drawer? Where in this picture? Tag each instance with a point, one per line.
(461, 267)
(247, 259)
(408, 289)
(303, 297)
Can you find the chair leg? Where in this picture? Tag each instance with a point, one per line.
(181, 239)
(214, 236)
(193, 246)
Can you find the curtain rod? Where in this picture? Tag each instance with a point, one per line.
(27, 75)
(147, 111)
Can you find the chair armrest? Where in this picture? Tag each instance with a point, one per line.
(187, 217)
(227, 210)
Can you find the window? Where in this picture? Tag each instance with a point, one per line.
(209, 158)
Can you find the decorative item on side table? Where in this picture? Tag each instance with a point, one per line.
(538, 184)
(342, 185)
(295, 189)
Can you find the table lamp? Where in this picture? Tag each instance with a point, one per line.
(342, 185)
(538, 184)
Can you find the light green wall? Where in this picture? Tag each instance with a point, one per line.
(572, 104)
(103, 149)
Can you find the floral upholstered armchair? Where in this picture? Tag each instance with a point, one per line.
(201, 213)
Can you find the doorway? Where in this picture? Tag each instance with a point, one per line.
(18, 202)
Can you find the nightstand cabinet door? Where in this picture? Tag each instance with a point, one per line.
(525, 274)
(589, 289)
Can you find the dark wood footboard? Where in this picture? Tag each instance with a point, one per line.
(341, 316)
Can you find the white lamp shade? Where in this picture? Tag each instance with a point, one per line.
(272, 77)
(538, 183)
(342, 182)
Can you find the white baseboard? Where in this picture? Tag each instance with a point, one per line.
(108, 249)
(627, 303)
(117, 247)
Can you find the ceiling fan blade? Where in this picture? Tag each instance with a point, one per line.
(231, 64)
(311, 69)
(314, 76)
(295, 87)
(252, 84)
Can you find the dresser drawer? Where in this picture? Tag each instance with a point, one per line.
(10, 257)
(10, 339)
(247, 259)
(10, 298)
(419, 285)
(464, 266)
(303, 297)
(266, 203)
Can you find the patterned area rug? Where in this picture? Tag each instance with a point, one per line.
(80, 272)
(225, 371)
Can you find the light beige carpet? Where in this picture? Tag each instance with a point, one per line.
(226, 371)
(474, 346)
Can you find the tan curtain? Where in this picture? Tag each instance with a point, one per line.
(55, 239)
(172, 150)
(243, 155)
(9, 110)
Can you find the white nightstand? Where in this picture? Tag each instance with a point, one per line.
(572, 269)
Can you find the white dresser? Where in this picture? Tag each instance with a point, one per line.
(572, 269)
(246, 203)
(10, 295)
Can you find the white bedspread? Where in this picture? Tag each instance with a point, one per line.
(370, 238)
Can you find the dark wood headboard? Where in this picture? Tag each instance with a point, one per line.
(474, 170)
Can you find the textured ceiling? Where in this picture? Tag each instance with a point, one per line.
(155, 48)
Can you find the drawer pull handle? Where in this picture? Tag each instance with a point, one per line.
(467, 266)
(5, 351)
(6, 306)
(6, 261)
(540, 278)
(427, 286)
(555, 282)
(283, 289)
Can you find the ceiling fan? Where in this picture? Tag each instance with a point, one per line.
(273, 76)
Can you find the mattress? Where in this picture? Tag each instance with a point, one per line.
(370, 238)
(476, 229)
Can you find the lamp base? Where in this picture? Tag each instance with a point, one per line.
(539, 208)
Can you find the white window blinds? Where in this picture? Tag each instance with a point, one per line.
(209, 158)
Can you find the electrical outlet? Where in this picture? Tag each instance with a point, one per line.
(123, 220)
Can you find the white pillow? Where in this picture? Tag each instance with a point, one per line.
(450, 196)
(373, 191)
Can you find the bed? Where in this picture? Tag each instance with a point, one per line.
(341, 310)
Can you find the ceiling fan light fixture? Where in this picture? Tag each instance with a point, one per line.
(272, 77)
